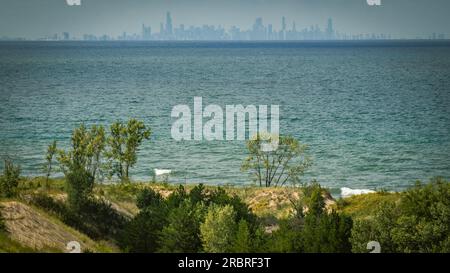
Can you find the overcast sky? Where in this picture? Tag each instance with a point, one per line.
(38, 18)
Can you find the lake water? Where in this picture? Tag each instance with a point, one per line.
(375, 115)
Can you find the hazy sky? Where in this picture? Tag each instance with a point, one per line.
(38, 18)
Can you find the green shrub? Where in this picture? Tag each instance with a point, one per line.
(327, 233)
(177, 197)
(147, 198)
(182, 232)
(198, 194)
(287, 238)
(9, 181)
(313, 231)
(420, 222)
(219, 229)
(79, 188)
(242, 242)
(242, 211)
(141, 234)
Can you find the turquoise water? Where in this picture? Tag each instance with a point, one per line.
(373, 115)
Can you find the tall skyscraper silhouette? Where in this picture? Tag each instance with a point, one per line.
(259, 31)
(169, 27)
(330, 30)
(146, 32)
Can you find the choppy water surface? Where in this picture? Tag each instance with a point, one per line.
(373, 116)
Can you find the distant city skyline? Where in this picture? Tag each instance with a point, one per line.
(110, 19)
(259, 32)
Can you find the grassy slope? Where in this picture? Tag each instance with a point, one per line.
(364, 205)
(8, 245)
(35, 230)
(31, 229)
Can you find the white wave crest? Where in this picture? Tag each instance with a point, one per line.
(347, 192)
(159, 172)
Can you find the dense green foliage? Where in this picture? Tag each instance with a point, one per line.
(242, 241)
(420, 222)
(185, 222)
(201, 221)
(219, 229)
(180, 235)
(312, 229)
(141, 234)
(212, 220)
(9, 181)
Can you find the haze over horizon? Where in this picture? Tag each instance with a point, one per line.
(400, 18)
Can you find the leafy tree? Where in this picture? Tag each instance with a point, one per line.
(313, 229)
(142, 233)
(377, 228)
(312, 201)
(242, 242)
(242, 211)
(287, 238)
(124, 141)
(424, 222)
(323, 232)
(420, 222)
(177, 197)
(9, 181)
(260, 240)
(148, 198)
(219, 229)
(51, 151)
(82, 163)
(79, 188)
(198, 194)
(86, 152)
(327, 233)
(182, 233)
(315, 202)
(285, 164)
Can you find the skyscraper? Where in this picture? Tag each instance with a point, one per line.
(169, 27)
(269, 32)
(283, 28)
(259, 31)
(330, 30)
(146, 32)
(66, 36)
(161, 29)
